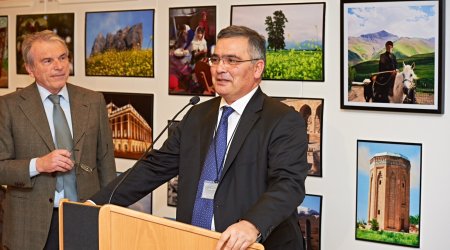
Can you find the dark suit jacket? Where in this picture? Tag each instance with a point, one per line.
(263, 176)
(388, 61)
(25, 134)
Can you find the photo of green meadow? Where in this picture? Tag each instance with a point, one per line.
(294, 38)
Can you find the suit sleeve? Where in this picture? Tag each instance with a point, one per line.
(146, 175)
(105, 147)
(287, 171)
(12, 172)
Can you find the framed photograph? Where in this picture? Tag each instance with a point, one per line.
(172, 185)
(392, 55)
(3, 51)
(310, 220)
(388, 192)
(172, 192)
(143, 205)
(192, 37)
(61, 24)
(131, 119)
(311, 109)
(295, 38)
(120, 43)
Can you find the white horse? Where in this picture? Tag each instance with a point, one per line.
(404, 86)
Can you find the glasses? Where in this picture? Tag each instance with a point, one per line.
(227, 61)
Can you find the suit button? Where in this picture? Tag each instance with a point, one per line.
(50, 200)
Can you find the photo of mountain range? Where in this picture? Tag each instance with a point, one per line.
(369, 46)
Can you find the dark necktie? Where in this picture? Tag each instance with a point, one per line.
(63, 137)
(203, 208)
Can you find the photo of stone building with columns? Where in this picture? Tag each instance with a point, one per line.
(130, 116)
(312, 112)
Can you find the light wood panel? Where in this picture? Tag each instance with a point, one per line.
(122, 228)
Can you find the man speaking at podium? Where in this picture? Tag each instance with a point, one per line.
(240, 157)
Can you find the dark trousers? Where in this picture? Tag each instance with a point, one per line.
(53, 235)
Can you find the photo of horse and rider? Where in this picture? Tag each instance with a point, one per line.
(389, 84)
(391, 54)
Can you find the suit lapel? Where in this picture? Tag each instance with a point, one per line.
(248, 119)
(79, 109)
(33, 109)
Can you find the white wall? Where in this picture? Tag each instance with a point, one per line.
(341, 128)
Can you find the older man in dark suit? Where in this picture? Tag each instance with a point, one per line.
(243, 176)
(39, 163)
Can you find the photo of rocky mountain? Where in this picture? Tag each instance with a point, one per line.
(119, 43)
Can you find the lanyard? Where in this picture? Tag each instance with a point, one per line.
(220, 167)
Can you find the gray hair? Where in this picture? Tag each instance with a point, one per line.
(42, 36)
(256, 42)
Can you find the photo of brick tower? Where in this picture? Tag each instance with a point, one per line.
(388, 192)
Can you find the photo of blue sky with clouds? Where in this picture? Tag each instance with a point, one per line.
(305, 21)
(312, 202)
(416, 19)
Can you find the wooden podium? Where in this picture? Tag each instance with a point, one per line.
(113, 227)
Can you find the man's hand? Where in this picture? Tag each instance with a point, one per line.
(56, 161)
(238, 236)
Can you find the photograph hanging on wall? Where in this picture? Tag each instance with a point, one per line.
(143, 205)
(311, 109)
(172, 185)
(388, 192)
(392, 55)
(120, 43)
(192, 37)
(61, 24)
(294, 35)
(310, 220)
(131, 120)
(3, 51)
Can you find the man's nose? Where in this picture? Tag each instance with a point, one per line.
(57, 64)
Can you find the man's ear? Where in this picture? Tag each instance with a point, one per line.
(259, 69)
(29, 69)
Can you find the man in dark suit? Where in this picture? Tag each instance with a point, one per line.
(31, 162)
(255, 192)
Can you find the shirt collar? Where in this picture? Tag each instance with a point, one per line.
(44, 93)
(240, 104)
